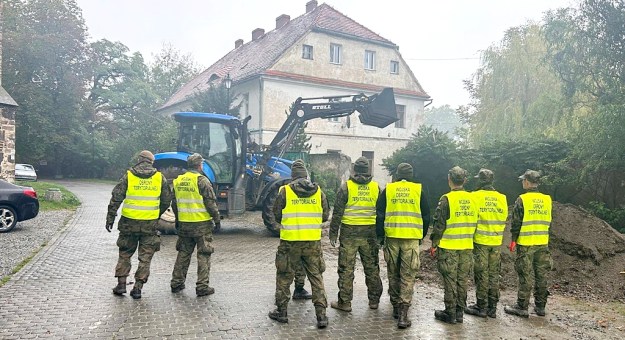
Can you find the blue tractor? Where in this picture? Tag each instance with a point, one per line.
(245, 175)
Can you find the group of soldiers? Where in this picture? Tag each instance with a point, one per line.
(145, 195)
(467, 231)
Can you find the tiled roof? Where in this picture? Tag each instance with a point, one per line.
(255, 57)
(5, 98)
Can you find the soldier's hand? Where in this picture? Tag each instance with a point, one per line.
(333, 242)
(512, 246)
(109, 227)
(433, 252)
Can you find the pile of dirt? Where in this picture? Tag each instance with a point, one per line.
(588, 256)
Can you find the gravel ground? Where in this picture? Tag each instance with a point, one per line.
(28, 236)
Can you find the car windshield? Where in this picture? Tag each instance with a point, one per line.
(24, 167)
(214, 142)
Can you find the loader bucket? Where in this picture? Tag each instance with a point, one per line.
(379, 110)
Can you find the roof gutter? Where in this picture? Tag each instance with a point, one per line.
(261, 88)
(428, 104)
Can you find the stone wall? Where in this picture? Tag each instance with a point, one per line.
(7, 144)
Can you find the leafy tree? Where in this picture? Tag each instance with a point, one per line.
(215, 99)
(301, 141)
(443, 118)
(170, 71)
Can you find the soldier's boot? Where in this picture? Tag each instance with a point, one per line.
(445, 316)
(492, 312)
(459, 315)
(403, 321)
(374, 305)
(322, 319)
(120, 289)
(476, 310)
(301, 294)
(540, 310)
(395, 312)
(177, 288)
(136, 289)
(204, 292)
(345, 307)
(516, 310)
(279, 315)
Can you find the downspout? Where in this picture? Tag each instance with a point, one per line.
(260, 110)
(428, 104)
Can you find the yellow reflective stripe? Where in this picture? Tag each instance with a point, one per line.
(458, 236)
(402, 225)
(301, 214)
(460, 225)
(491, 222)
(143, 198)
(404, 213)
(489, 233)
(403, 217)
(301, 221)
(190, 202)
(301, 226)
(139, 207)
(360, 205)
(547, 223)
(527, 233)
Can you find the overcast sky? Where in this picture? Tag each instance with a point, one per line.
(423, 30)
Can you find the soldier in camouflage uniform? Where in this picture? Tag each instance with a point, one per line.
(455, 221)
(146, 196)
(354, 215)
(301, 207)
(531, 219)
(195, 207)
(403, 218)
(492, 215)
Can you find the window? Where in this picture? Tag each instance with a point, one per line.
(333, 119)
(369, 156)
(401, 114)
(307, 52)
(335, 54)
(394, 67)
(369, 60)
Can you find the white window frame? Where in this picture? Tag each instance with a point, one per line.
(396, 63)
(335, 54)
(310, 52)
(401, 114)
(370, 60)
(333, 119)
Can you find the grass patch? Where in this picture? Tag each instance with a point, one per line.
(95, 180)
(69, 200)
(20, 266)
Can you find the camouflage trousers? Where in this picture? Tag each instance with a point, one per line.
(402, 265)
(533, 263)
(368, 250)
(128, 243)
(300, 276)
(486, 269)
(455, 268)
(289, 255)
(185, 247)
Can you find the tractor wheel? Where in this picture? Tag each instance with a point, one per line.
(268, 217)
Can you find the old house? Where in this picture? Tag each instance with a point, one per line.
(320, 53)
(7, 125)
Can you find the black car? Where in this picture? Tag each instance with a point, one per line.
(17, 203)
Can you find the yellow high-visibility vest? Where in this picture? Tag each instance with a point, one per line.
(360, 207)
(190, 203)
(462, 221)
(301, 217)
(536, 219)
(492, 214)
(403, 210)
(143, 197)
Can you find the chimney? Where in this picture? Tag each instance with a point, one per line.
(282, 20)
(238, 43)
(310, 5)
(257, 33)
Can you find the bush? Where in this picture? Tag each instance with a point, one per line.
(615, 217)
(329, 183)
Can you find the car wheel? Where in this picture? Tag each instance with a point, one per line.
(8, 218)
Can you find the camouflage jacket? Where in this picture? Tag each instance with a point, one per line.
(195, 229)
(441, 215)
(380, 208)
(342, 196)
(129, 225)
(517, 216)
(302, 188)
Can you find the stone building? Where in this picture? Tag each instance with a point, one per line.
(320, 53)
(7, 125)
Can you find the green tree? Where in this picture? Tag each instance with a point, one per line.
(215, 99)
(170, 71)
(443, 118)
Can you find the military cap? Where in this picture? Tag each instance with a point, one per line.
(485, 176)
(298, 169)
(530, 175)
(457, 174)
(404, 171)
(361, 166)
(146, 155)
(194, 160)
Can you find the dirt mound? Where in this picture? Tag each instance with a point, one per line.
(588, 255)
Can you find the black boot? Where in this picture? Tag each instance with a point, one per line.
(322, 319)
(516, 310)
(177, 288)
(492, 312)
(279, 315)
(476, 310)
(135, 293)
(403, 321)
(445, 316)
(540, 310)
(396, 312)
(459, 315)
(120, 289)
(301, 294)
(204, 292)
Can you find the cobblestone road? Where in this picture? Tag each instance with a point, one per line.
(65, 293)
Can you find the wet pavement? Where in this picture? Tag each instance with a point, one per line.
(65, 293)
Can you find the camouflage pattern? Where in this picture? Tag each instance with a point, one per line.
(310, 255)
(455, 268)
(402, 265)
(300, 276)
(457, 174)
(531, 175)
(355, 239)
(196, 234)
(133, 234)
(486, 269)
(533, 263)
